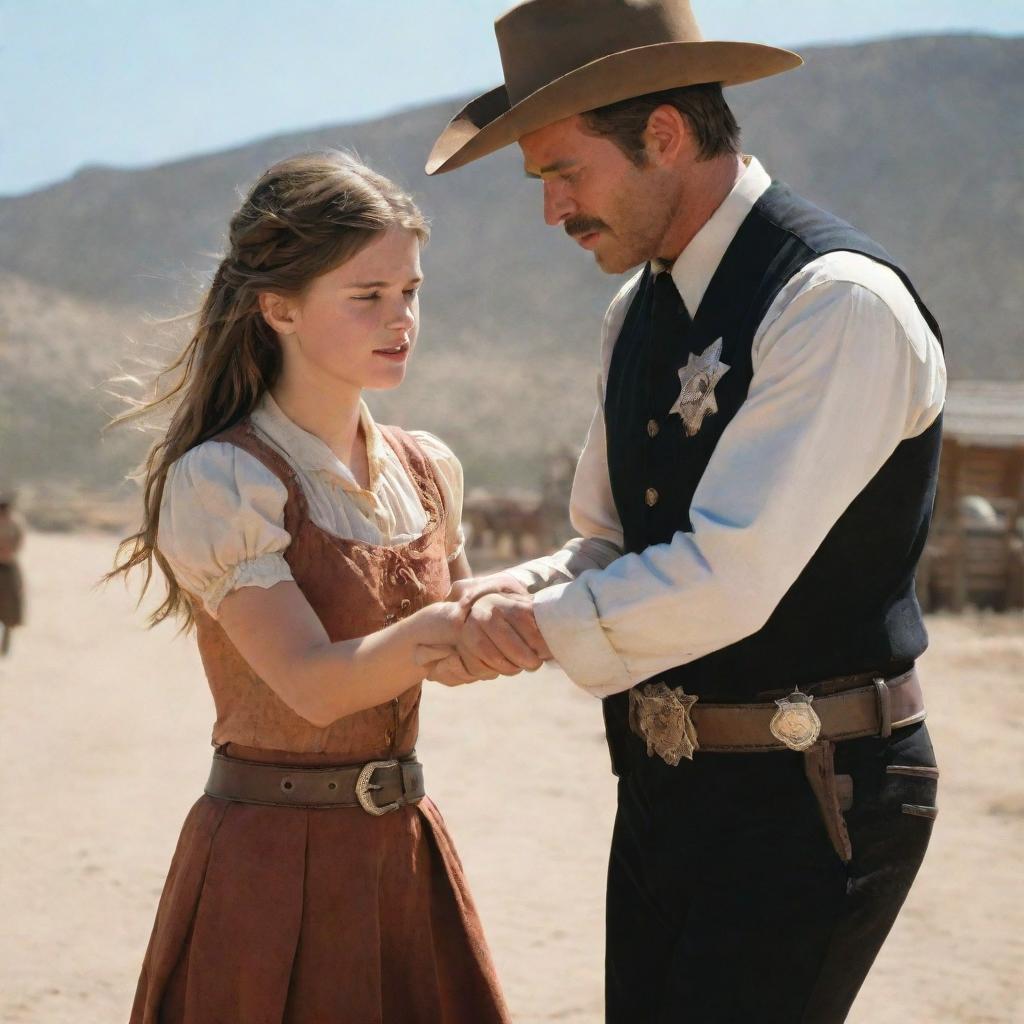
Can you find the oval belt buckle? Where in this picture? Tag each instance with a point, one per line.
(796, 723)
(365, 786)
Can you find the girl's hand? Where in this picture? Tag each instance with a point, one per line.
(440, 623)
(443, 665)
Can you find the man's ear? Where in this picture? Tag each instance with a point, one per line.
(279, 312)
(666, 136)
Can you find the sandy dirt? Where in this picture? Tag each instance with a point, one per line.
(104, 730)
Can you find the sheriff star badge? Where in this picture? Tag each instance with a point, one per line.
(697, 381)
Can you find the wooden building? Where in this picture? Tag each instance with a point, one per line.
(975, 554)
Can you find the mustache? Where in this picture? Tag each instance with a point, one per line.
(576, 226)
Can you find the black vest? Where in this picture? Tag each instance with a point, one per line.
(853, 608)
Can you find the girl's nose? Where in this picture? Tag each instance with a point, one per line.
(403, 319)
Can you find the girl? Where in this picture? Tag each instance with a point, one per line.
(314, 882)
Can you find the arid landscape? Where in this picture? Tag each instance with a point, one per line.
(104, 725)
(104, 728)
(918, 141)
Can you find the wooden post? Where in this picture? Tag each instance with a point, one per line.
(957, 454)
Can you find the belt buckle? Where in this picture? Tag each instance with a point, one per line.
(365, 787)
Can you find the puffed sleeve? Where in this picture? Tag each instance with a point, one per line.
(222, 523)
(448, 471)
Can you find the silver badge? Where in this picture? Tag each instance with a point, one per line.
(697, 382)
(796, 723)
(662, 717)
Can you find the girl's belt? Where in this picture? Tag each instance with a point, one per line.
(377, 786)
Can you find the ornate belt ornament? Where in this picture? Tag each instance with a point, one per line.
(796, 723)
(662, 717)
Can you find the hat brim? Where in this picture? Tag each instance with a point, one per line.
(490, 122)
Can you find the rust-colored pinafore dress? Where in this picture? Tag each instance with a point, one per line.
(287, 915)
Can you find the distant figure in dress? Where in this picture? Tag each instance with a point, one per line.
(12, 601)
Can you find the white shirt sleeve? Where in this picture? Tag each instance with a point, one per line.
(222, 523)
(448, 471)
(845, 369)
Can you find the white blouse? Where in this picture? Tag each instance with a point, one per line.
(222, 514)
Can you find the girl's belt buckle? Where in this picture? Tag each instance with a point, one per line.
(365, 787)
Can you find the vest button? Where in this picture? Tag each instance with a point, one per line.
(651, 497)
(652, 428)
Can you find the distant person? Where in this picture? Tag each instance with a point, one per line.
(12, 599)
(753, 500)
(311, 549)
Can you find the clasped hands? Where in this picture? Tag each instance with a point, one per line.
(498, 636)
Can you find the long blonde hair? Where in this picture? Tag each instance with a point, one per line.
(304, 217)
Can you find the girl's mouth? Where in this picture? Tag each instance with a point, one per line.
(397, 353)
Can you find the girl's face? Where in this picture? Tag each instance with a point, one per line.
(356, 325)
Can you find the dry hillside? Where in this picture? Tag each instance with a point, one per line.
(919, 141)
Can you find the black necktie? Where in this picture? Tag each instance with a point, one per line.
(670, 326)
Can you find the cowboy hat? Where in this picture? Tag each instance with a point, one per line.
(564, 57)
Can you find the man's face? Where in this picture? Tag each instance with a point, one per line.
(601, 198)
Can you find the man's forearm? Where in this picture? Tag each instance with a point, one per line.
(564, 565)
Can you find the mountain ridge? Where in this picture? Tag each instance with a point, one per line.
(915, 140)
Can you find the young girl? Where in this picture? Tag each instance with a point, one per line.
(314, 882)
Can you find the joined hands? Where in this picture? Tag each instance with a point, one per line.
(498, 636)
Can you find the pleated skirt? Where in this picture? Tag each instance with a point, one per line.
(281, 915)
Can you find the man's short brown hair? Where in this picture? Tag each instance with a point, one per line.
(703, 106)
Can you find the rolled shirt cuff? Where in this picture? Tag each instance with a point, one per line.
(569, 622)
(459, 548)
(263, 571)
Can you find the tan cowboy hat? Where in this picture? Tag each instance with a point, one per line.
(563, 57)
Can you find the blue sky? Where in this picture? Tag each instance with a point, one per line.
(134, 82)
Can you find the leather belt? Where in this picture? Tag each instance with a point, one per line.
(874, 709)
(378, 787)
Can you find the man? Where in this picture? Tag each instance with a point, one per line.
(752, 499)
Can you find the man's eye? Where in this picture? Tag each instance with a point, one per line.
(366, 298)
(412, 292)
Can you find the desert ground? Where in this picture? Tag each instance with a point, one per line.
(104, 730)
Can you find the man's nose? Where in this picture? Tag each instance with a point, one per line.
(557, 203)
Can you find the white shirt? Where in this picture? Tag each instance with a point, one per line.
(222, 512)
(845, 369)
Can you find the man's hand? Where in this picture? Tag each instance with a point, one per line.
(500, 635)
(468, 591)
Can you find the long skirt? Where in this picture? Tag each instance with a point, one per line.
(282, 915)
(11, 595)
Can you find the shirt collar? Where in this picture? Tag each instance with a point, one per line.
(697, 263)
(307, 452)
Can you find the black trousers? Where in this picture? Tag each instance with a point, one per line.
(727, 903)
